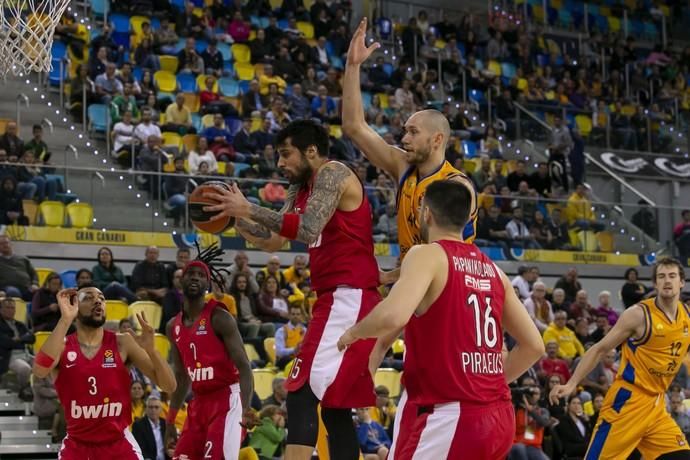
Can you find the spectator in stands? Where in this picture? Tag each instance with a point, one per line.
(298, 104)
(10, 142)
(530, 421)
(645, 219)
(332, 84)
(274, 192)
(373, 439)
(272, 268)
(490, 144)
(272, 301)
(173, 300)
(151, 158)
(558, 301)
(248, 323)
(518, 231)
(268, 437)
(560, 238)
(497, 48)
(109, 278)
(569, 283)
(165, 38)
(220, 140)
(138, 393)
(80, 84)
(551, 364)
(569, 347)
(323, 106)
(46, 406)
(387, 226)
(123, 139)
(182, 257)
(679, 413)
(519, 175)
(45, 187)
(524, 280)
(580, 214)
(681, 237)
(261, 49)
(601, 378)
(202, 154)
(574, 430)
(213, 59)
(278, 395)
(98, 61)
(38, 145)
(277, 115)
(239, 29)
(17, 276)
(84, 278)
(11, 207)
(107, 84)
(178, 117)
(383, 412)
(145, 56)
(149, 431)
(175, 188)
(45, 312)
(253, 101)
(633, 290)
(482, 175)
(241, 266)
(538, 308)
(125, 102)
(189, 60)
(540, 180)
(559, 145)
(14, 337)
(581, 308)
(605, 307)
(243, 141)
(269, 78)
(603, 327)
(147, 127)
(149, 278)
(289, 337)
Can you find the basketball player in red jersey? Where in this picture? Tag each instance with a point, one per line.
(89, 368)
(454, 304)
(209, 353)
(327, 209)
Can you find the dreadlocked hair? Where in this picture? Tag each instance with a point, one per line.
(210, 256)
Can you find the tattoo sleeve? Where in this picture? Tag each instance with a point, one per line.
(326, 193)
(260, 231)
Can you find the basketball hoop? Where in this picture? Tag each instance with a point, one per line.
(26, 34)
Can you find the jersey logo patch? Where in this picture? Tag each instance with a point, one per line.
(478, 284)
(201, 330)
(71, 355)
(681, 440)
(177, 329)
(109, 359)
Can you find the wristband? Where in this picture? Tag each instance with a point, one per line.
(172, 415)
(290, 225)
(44, 360)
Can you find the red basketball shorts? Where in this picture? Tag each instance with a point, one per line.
(123, 449)
(452, 431)
(212, 429)
(339, 380)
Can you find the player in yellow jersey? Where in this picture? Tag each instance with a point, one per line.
(655, 338)
(420, 162)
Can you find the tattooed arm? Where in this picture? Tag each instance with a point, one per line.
(259, 235)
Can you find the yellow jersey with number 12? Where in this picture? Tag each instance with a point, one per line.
(410, 194)
(652, 362)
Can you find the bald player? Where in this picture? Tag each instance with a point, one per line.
(419, 163)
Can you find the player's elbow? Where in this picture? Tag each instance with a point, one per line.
(168, 386)
(352, 125)
(40, 371)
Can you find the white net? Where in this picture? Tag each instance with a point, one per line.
(26, 34)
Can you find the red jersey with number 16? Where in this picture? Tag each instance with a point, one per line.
(94, 392)
(203, 353)
(453, 351)
(343, 254)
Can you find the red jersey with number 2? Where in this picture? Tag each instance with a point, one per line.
(94, 393)
(203, 353)
(453, 351)
(343, 255)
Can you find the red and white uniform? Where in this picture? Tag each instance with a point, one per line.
(94, 394)
(345, 276)
(454, 369)
(212, 429)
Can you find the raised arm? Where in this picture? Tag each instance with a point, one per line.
(378, 152)
(49, 356)
(181, 390)
(259, 235)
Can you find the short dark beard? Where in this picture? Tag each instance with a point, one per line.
(192, 296)
(89, 321)
(304, 173)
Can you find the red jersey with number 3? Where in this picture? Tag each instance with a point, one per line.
(94, 392)
(343, 255)
(203, 353)
(453, 350)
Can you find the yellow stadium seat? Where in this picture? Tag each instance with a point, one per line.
(234, 101)
(42, 274)
(336, 131)
(53, 213)
(198, 12)
(41, 337)
(553, 47)
(270, 347)
(241, 53)
(245, 71)
(258, 70)
(256, 125)
(439, 44)
(192, 102)
(584, 124)
(21, 311)
(222, 167)
(495, 68)
(137, 32)
(162, 344)
(115, 310)
(252, 355)
(207, 120)
(80, 215)
(522, 84)
(168, 167)
(628, 110)
(614, 24)
(276, 4)
(189, 142)
(605, 240)
(588, 240)
(469, 166)
(383, 98)
(263, 382)
(169, 63)
(398, 347)
(151, 310)
(252, 34)
(390, 378)
(201, 83)
(172, 139)
(30, 210)
(306, 28)
(165, 81)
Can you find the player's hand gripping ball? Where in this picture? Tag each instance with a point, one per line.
(202, 219)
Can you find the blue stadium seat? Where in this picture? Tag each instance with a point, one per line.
(385, 27)
(228, 67)
(98, 116)
(224, 50)
(239, 167)
(254, 20)
(200, 45)
(329, 48)
(58, 50)
(366, 100)
(337, 62)
(283, 23)
(196, 122)
(388, 68)
(477, 96)
(120, 22)
(229, 87)
(186, 83)
(100, 8)
(508, 70)
(177, 4)
(469, 148)
(233, 124)
(55, 76)
(155, 23)
(244, 86)
(69, 278)
(137, 73)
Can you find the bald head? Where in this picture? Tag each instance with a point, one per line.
(426, 136)
(434, 122)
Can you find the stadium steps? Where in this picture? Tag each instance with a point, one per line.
(19, 434)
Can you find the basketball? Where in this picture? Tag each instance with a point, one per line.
(202, 219)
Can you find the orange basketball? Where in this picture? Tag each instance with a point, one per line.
(200, 218)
